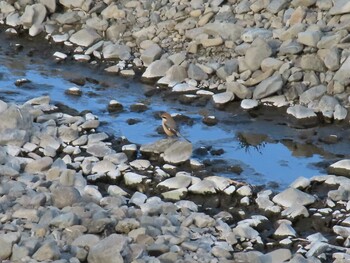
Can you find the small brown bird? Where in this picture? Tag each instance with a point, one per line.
(169, 126)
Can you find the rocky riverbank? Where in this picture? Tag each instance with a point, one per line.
(50, 211)
(287, 53)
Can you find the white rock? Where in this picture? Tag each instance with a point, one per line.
(203, 187)
(115, 190)
(133, 178)
(60, 55)
(301, 112)
(223, 98)
(176, 182)
(248, 104)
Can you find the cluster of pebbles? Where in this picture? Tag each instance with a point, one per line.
(291, 53)
(70, 193)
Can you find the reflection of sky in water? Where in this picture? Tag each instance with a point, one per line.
(271, 162)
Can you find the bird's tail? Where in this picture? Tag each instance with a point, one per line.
(180, 135)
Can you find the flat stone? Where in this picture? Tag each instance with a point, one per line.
(341, 167)
(176, 182)
(250, 34)
(340, 7)
(309, 38)
(178, 152)
(222, 98)
(116, 51)
(175, 195)
(203, 187)
(292, 196)
(248, 104)
(85, 37)
(157, 69)
(39, 165)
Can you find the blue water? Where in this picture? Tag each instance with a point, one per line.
(270, 161)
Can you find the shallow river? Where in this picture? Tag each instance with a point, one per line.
(262, 144)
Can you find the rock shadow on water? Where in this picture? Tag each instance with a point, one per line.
(171, 150)
(253, 141)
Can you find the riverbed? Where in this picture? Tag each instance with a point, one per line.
(260, 147)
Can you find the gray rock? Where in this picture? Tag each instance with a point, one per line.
(238, 89)
(276, 256)
(342, 74)
(342, 231)
(157, 69)
(15, 126)
(140, 164)
(49, 4)
(33, 14)
(250, 34)
(68, 134)
(312, 62)
(86, 240)
(179, 152)
(340, 113)
(309, 38)
(65, 220)
(116, 51)
(6, 247)
(40, 165)
(312, 94)
(85, 37)
(332, 59)
(327, 105)
(256, 53)
(63, 196)
(115, 31)
(244, 231)
(103, 166)
(71, 3)
(97, 23)
(68, 18)
(28, 214)
(196, 73)
(202, 220)
(285, 229)
(174, 75)
(151, 54)
(108, 250)
(340, 7)
(138, 198)
(47, 251)
(268, 87)
(292, 196)
(290, 46)
(99, 149)
(342, 193)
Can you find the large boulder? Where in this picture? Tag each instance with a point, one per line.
(15, 126)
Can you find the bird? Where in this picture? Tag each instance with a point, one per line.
(169, 126)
